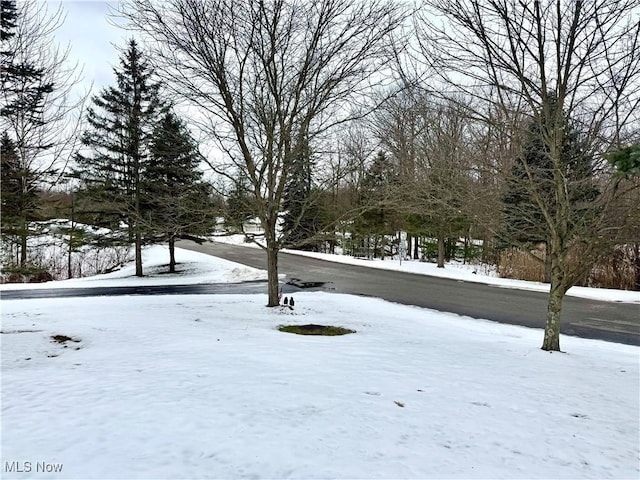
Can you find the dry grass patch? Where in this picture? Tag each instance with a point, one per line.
(313, 329)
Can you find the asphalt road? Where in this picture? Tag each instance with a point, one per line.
(611, 321)
(209, 288)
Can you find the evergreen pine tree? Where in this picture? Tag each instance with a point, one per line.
(25, 89)
(626, 160)
(377, 215)
(177, 201)
(23, 83)
(8, 18)
(121, 123)
(19, 193)
(299, 222)
(531, 182)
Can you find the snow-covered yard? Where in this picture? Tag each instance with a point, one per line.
(205, 386)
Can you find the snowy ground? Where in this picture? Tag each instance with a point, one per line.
(456, 270)
(193, 267)
(204, 386)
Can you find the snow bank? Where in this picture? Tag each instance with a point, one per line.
(192, 268)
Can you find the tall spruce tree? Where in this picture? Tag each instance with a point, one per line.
(121, 124)
(378, 216)
(300, 220)
(531, 184)
(176, 200)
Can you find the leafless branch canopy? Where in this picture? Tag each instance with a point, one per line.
(267, 76)
(584, 53)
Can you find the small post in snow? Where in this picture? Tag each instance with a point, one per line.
(402, 248)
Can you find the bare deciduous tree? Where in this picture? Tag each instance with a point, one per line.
(268, 76)
(430, 141)
(557, 60)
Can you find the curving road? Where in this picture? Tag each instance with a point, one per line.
(616, 322)
(611, 321)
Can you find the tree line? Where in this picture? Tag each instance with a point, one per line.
(132, 162)
(341, 123)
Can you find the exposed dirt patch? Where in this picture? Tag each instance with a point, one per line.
(62, 339)
(313, 329)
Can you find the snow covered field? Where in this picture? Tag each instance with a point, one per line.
(205, 386)
(192, 268)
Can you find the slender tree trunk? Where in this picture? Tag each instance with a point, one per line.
(138, 233)
(272, 273)
(440, 251)
(71, 232)
(465, 255)
(552, 326)
(554, 307)
(138, 247)
(23, 245)
(485, 249)
(172, 254)
(409, 245)
(416, 249)
(637, 266)
(69, 273)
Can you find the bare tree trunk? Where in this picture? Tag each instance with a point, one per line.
(409, 244)
(172, 254)
(272, 274)
(23, 246)
(466, 248)
(416, 249)
(440, 251)
(138, 247)
(554, 306)
(69, 272)
(552, 326)
(636, 249)
(71, 232)
(485, 249)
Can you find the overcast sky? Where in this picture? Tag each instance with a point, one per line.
(91, 38)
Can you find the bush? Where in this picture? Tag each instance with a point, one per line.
(516, 264)
(615, 271)
(429, 250)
